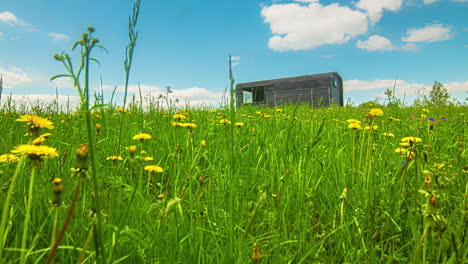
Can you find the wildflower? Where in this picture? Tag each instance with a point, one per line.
(177, 124)
(8, 158)
(225, 121)
(141, 136)
(256, 255)
(400, 151)
(132, 150)
(203, 143)
(36, 152)
(36, 121)
(405, 144)
(388, 134)
(374, 112)
(355, 126)
(368, 128)
(411, 140)
(279, 110)
(350, 121)
(121, 110)
(189, 125)
(427, 179)
(239, 124)
(154, 168)
(160, 196)
(426, 110)
(98, 128)
(146, 159)
(410, 154)
(213, 110)
(179, 117)
(114, 158)
(57, 189)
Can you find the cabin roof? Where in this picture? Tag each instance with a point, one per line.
(308, 77)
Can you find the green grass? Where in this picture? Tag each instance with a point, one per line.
(277, 181)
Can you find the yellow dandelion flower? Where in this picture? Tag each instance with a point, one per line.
(131, 149)
(154, 168)
(189, 125)
(426, 110)
(141, 136)
(121, 110)
(404, 144)
(36, 121)
(279, 110)
(8, 158)
(411, 139)
(388, 134)
(160, 196)
(148, 159)
(410, 154)
(114, 158)
(225, 121)
(239, 124)
(374, 112)
(203, 143)
(400, 151)
(179, 117)
(213, 110)
(177, 124)
(35, 152)
(355, 126)
(353, 121)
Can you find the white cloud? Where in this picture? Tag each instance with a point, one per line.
(401, 87)
(375, 8)
(12, 20)
(58, 36)
(460, 1)
(374, 43)
(428, 2)
(193, 96)
(429, 33)
(300, 27)
(410, 47)
(14, 77)
(31, 100)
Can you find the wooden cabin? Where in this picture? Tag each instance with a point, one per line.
(315, 89)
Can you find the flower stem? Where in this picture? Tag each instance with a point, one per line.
(27, 217)
(5, 211)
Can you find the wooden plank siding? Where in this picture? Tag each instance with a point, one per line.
(314, 89)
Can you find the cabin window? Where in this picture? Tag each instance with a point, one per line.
(253, 95)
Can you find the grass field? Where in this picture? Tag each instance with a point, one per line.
(267, 185)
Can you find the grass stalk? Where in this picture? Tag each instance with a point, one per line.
(6, 206)
(27, 218)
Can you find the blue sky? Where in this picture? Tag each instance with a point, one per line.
(185, 44)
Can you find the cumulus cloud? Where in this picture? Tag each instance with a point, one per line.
(14, 77)
(12, 20)
(410, 47)
(374, 43)
(375, 8)
(306, 26)
(428, 2)
(31, 100)
(193, 96)
(429, 33)
(58, 36)
(402, 87)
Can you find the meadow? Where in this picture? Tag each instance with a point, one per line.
(288, 184)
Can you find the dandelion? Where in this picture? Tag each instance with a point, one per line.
(179, 117)
(121, 110)
(141, 136)
(355, 126)
(400, 151)
(160, 196)
(36, 121)
(279, 110)
(203, 143)
(98, 128)
(374, 112)
(8, 158)
(36, 152)
(225, 121)
(177, 124)
(426, 110)
(411, 140)
(239, 124)
(114, 158)
(256, 256)
(146, 159)
(189, 125)
(153, 168)
(213, 110)
(350, 121)
(57, 189)
(368, 128)
(388, 134)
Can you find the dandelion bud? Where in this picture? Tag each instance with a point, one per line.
(95, 41)
(98, 129)
(58, 57)
(85, 36)
(256, 255)
(81, 159)
(132, 150)
(91, 29)
(58, 188)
